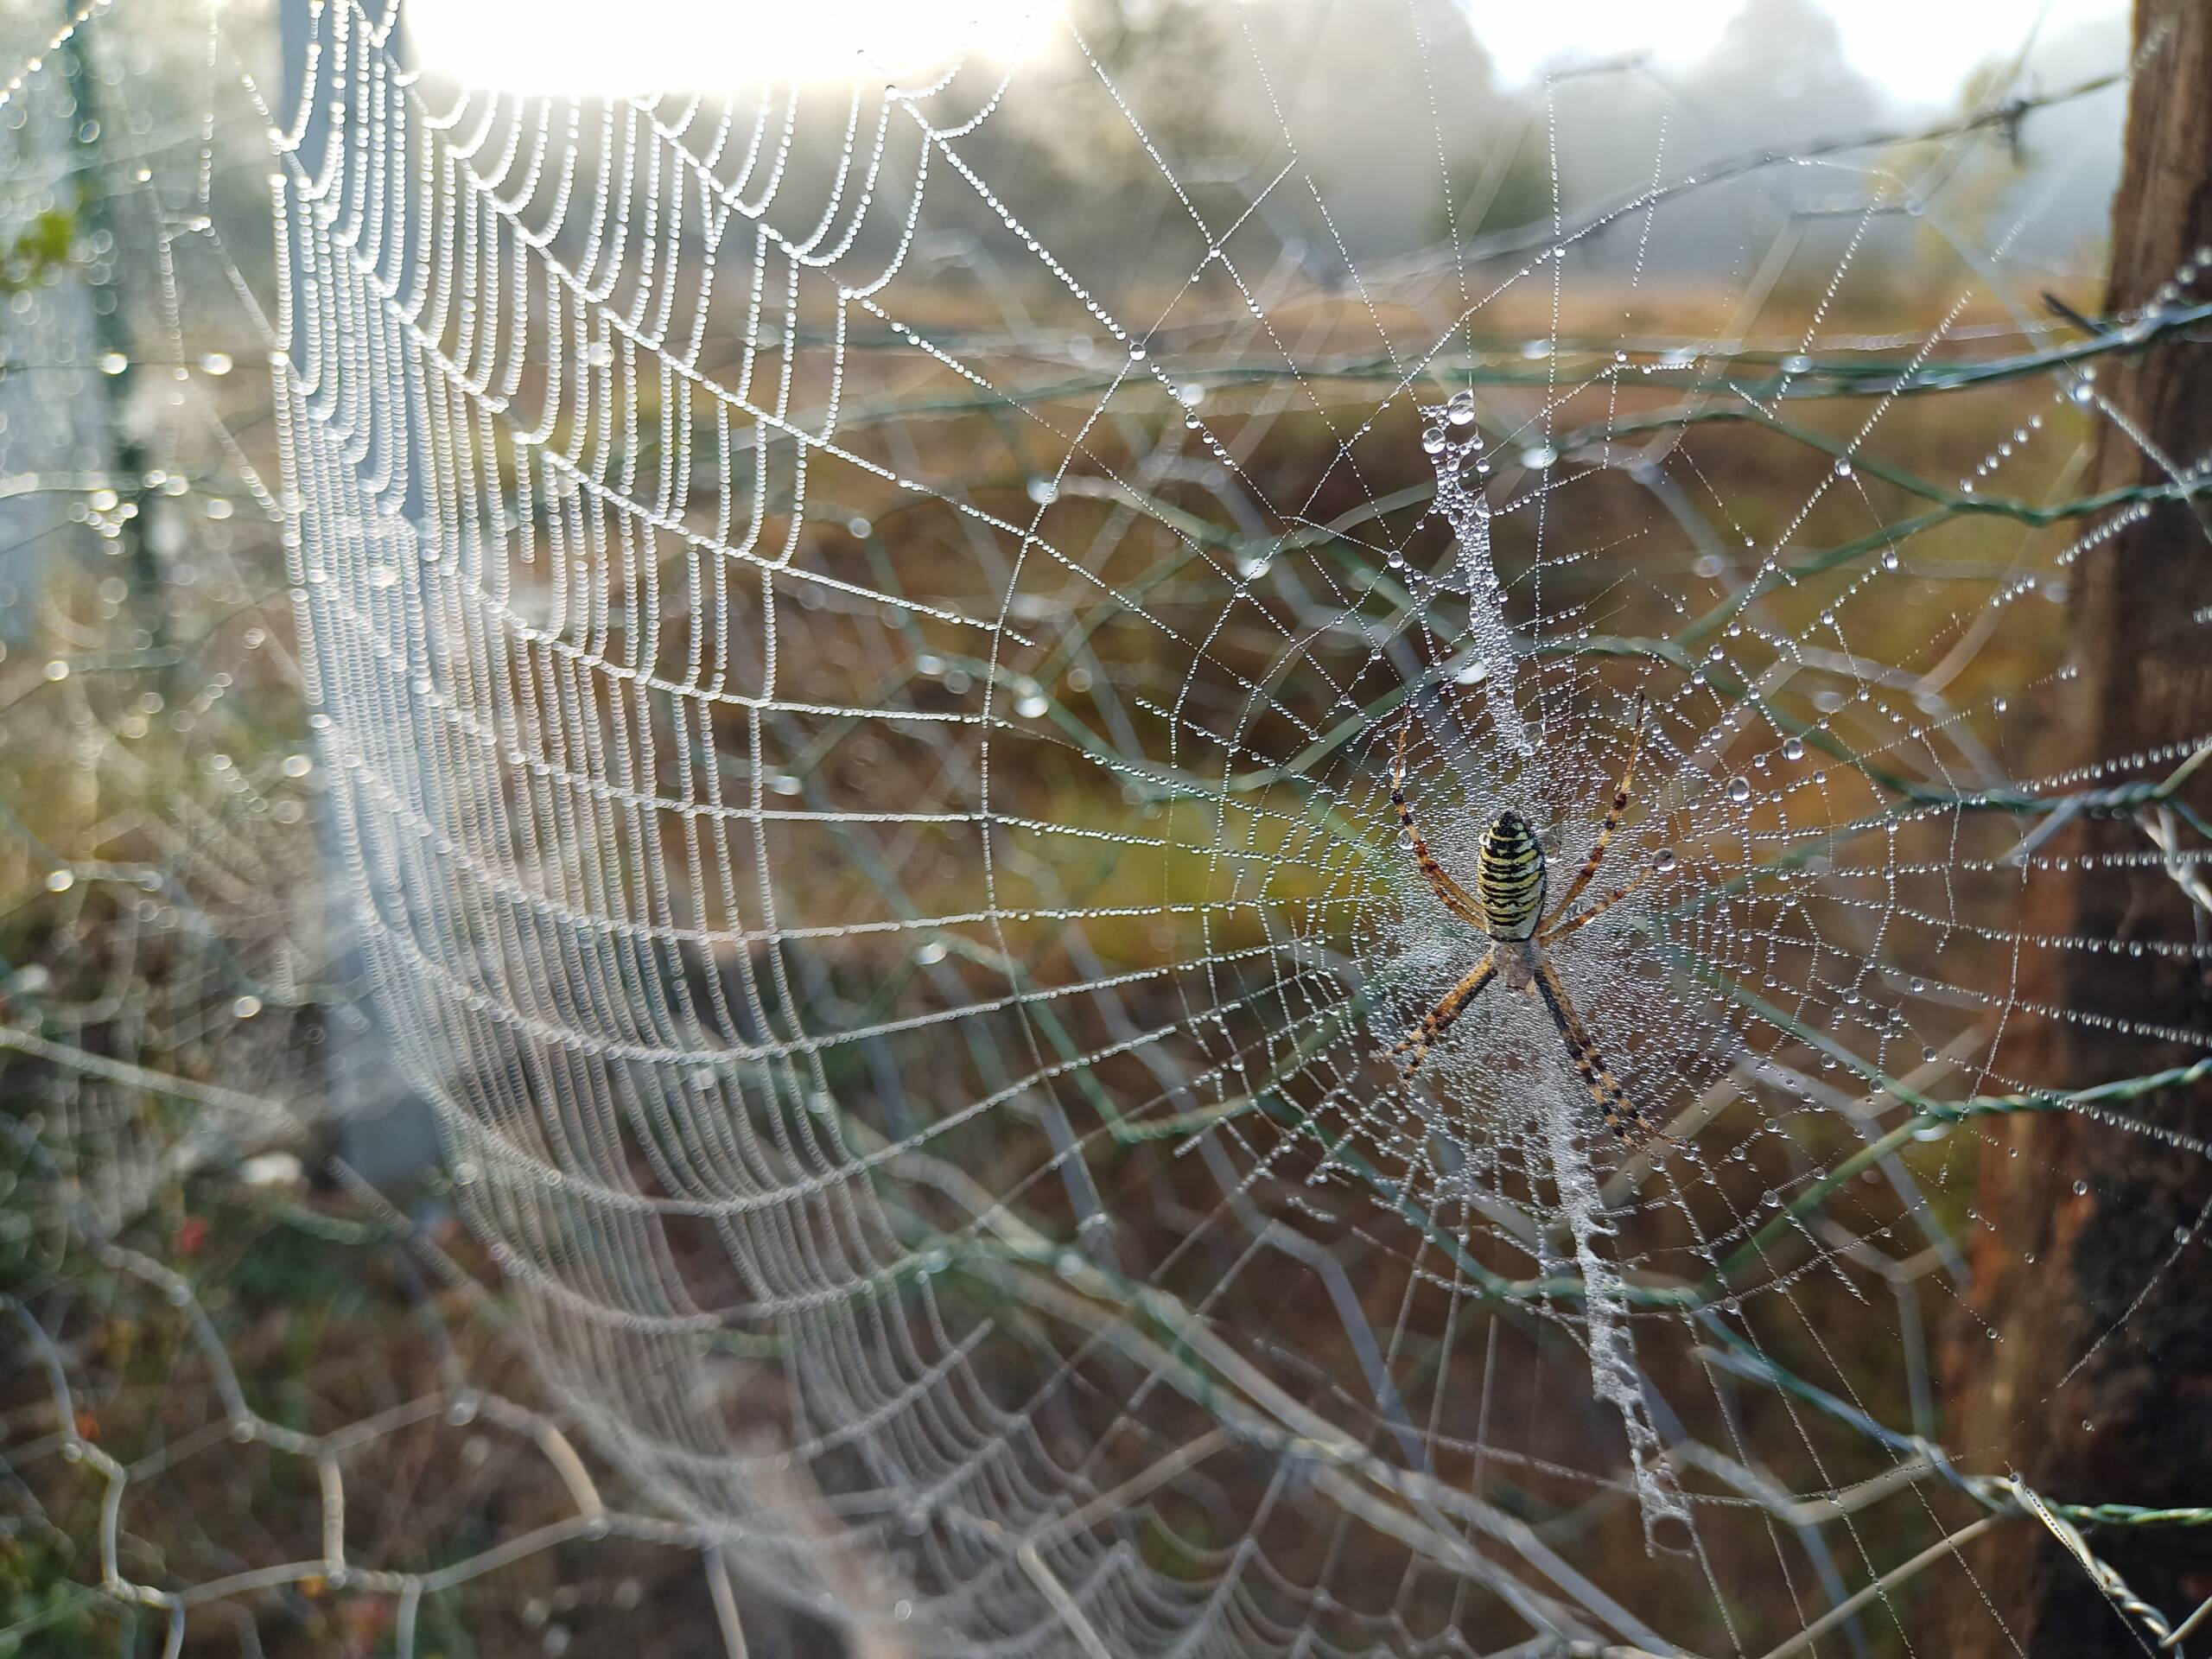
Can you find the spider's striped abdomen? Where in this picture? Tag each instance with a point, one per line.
(1509, 881)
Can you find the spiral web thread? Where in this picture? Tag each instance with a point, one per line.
(859, 746)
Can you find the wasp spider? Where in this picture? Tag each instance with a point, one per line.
(1508, 905)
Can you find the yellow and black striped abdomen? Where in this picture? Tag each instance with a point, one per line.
(1510, 880)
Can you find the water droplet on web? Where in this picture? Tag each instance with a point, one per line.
(1432, 440)
(1663, 860)
(1796, 363)
(1842, 468)
(1793, 749)
(1461, 410)
(1739, 789)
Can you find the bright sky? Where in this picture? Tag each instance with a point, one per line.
(1919, 48)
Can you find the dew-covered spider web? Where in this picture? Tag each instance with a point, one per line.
(855, 635)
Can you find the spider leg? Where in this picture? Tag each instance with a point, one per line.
(1454, 897)
(1622, 1117)
(1440, 1017)
(1560, 930)
(1613, 815)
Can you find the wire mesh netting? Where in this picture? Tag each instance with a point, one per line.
(814, 677)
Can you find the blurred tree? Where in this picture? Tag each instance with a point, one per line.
(2095, 1265)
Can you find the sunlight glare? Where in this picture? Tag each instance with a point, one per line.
(579, 47)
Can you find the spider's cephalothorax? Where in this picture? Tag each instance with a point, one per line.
(1508, 905)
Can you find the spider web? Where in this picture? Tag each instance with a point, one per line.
(858, 706)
